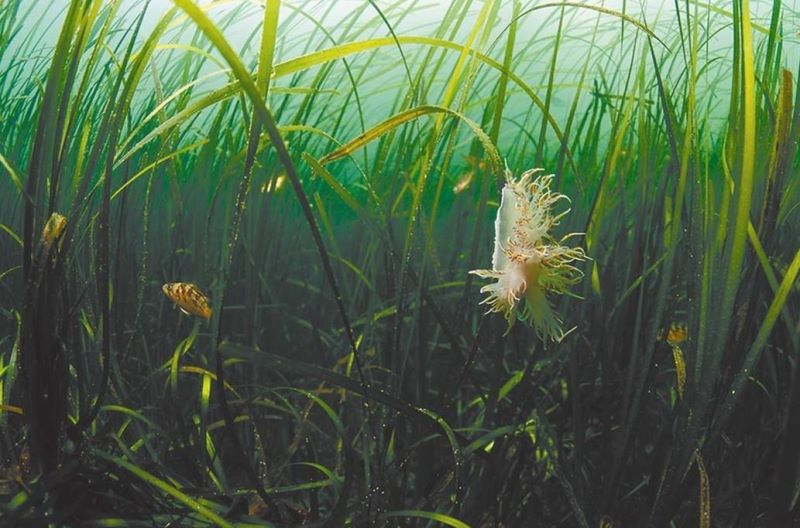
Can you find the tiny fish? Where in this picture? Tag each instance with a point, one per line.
(274, 184)
(189, 298)
(463, 182)
(477, 164)
(676, 334)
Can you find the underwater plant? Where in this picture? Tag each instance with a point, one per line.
(330, 168)
(528, 262)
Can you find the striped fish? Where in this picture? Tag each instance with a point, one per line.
(189, 298)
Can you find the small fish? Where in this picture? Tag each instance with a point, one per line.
(476, 163)
(463, 182)
(676, 334)
(189, 298)
(274, 184)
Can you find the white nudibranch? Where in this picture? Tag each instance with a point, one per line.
(528, 262)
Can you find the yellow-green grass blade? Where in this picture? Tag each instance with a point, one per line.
(455, 448)
(404, 117)
(266, 120)
(168, 489)
(744, 185)
(440, 518)
(754, 352)
(151, 166)
(337, 187)
(12, 174)
(180, 350)
(728, 14)
(600, 9)
(133, 413)
(330, 55)
(769, 273)
(10, 232)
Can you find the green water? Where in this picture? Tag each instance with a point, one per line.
(256, 307)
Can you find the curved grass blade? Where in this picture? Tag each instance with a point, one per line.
(600, 9)
(12, 234)
(167, 488)
(404, 117)
(781, 295)
(337, 187)
(263, 114)
(132, 413)
(15, 179)
(283, 364)
(455, 448)
(339, 52)
(265, 119)
(705, 493)
(433, 516)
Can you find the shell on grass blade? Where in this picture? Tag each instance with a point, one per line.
(188, 298)
(53, 230)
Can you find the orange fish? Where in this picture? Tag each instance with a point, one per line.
(677, 333)
(189, 298)
(476, 163)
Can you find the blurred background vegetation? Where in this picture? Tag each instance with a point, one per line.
(328, 172)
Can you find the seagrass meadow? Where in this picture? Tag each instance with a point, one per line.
(236, 240)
